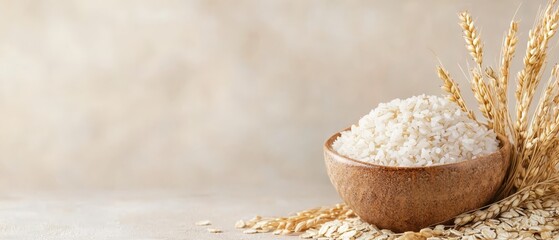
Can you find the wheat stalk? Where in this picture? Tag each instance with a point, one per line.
(509, 48)
(453, 90)
(501, 88)
(498, 102)
(483, 97)
(479, 87)
(544, 106)
(471, 36)
(297, 222)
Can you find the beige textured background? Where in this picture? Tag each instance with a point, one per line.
(203, 94)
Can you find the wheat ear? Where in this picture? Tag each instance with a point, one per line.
(453, 90)
(483, 97)
(471, 36)
(298, 222)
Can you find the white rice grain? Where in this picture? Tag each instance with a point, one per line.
(418, 131)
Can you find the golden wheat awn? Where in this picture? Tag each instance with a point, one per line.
(500, 115)
(451, 87)
(481, 93)
(501, 86)
(478, 85)
(471, 37)
(509, 48)
(527, 204)
(299, 222)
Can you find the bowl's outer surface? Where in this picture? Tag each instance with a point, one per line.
(410, 198)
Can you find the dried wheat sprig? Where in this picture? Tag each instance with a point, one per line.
(543, 107)
(475, 48)
(509, 48)
(522, 88)
(551, 133)
(471, 36)
(453, 90)
(499, 109)
(299, 221)
(483, 97)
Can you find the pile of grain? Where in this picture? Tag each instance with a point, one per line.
(417, 131)
(535, 219)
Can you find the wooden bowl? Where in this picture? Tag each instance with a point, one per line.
(411, 198)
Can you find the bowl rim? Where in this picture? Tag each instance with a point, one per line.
(504, 144)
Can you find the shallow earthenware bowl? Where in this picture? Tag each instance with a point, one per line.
(410, 198)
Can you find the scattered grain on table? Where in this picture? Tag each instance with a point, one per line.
(214, 230)
(203, 223)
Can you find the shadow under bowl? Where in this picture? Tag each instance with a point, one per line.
(411, 198)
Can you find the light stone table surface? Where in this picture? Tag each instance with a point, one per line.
(160, 214)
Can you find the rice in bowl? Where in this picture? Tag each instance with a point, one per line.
(417, 131)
